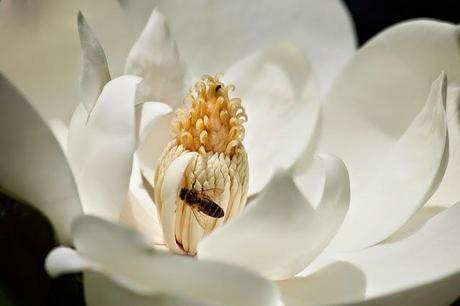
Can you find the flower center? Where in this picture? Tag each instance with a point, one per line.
(213, 187)
(214, 122)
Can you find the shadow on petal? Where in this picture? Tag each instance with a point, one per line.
(421, 269)
(224, 31)
(279, 83)
(32, 164)
(408, 177)
(440, 293)
(415, 223)
(103, 291)
(155, 57)
(447, 193)
(126, 258)
(339, 282)
(282, 225)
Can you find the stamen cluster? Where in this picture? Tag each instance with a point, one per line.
(214, 122)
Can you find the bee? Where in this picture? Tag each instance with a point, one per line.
(203, 207)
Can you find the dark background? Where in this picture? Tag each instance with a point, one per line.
(26, 236)
(372, 16)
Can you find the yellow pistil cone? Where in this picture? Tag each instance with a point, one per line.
(213, 128)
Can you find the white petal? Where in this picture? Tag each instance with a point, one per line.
(154, 136)
(407, 179)
(280, 94)
(139, 210)
(101, 148)
(169, 191)
(382, 89)
(40, 48)
(422, 269)
(124, 256)
(95, 72)
(150, 114)
(448, 192)
(155, 58)
(280, 233)
(60, 131)
(224, 31)
(334, 284)
(62, 260)
(142, 218)
(423, 215)
(32, 164)
(394, 71)
(101, 290)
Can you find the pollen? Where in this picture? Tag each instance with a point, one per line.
(213, 123)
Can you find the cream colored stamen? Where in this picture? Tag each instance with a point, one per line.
(212, 126)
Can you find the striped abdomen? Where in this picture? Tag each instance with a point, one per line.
(202, 202)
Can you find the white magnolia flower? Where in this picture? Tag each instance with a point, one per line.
(397, 155)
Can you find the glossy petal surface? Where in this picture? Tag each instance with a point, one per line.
(279, 91)
(131, 265)
(408, 176)
(381, 91)
(281, 216)
(419, 269)
(101, 148)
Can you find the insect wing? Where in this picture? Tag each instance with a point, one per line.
(205, 221)
(209, 193)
